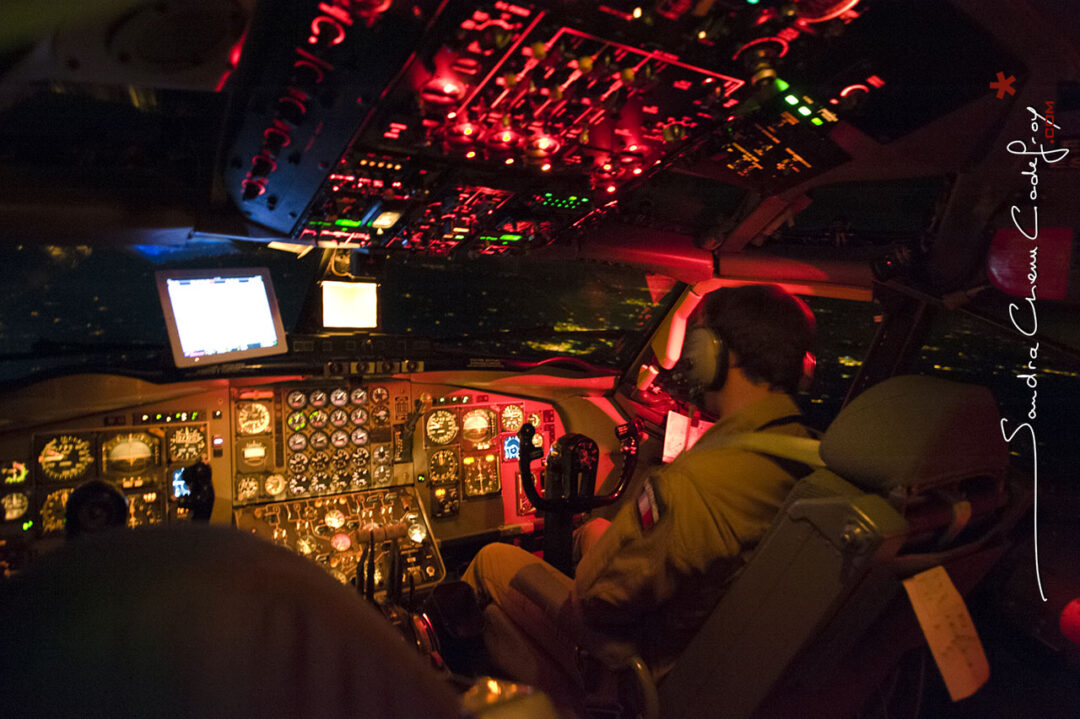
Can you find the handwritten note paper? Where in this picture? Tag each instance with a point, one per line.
(949, 631)
(681, 433)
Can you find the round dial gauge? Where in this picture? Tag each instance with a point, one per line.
(443, 466)
(65, 457)
(186, 445)
(296, 421)
(252, 418)
(254, 453)
(358, 479)
(15, 505)
(319, 440)
(359, 437)
(417, 532)
(319, 462)
(339, 481)
(441, 427)
(296, 399)
(381, 454)
(335, 519)
(538, 440)
(319, 482)
(513, 416)
(318, 419)
(339, 397)
(319, 398)
(534, 420)
(361, 457)
(341, 542)
(358, 396)
(52, 510)
(307, 545)
(478, 427)
(297, 442)
(339, 418)
(298, 463)
(382, 474)
(299, 485)
(359, 416)
(381, 416)
(379, 395)
(340, 460)
(274, 485)
(339, 439)
(131, 452)
(247, 488)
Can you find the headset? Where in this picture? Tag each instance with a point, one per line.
(703, 364)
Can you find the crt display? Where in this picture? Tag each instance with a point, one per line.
(220, 315)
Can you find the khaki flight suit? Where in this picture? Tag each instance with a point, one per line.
(655, 573)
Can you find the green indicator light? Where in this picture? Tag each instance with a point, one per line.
(791, 100)
(584, 199)
(421, 478)
(27, 525)
(781, 85)
(547, 194)
(804, 111)
(752, 2)
(348, 223)
(818, 121)
(158, 416)
(573, 197)
(511, 238)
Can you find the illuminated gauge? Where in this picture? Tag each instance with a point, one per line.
(513, 416)
(340, 439)
(52, 510)
(254, 453)
(319, 440)
(334, 518)
(307, 545)
(297, 442)
(358, 396)
(417, 531)
(319, 462)
(296, 399)
(318, 419)
(186, 445)
(358, 479)
(339, 418)
(381, 454)
(65, 457)
(274, 485)
(252, 418)
(538, 440)
(534, 420)
(340, 460)
(382, 475)
(481, 475)
(144, 509)
(379, 395)
(441, 427)
(15, 506)
(319, 398)
(339, 481)
(339, 397)
(320, 483)
(12, 473)
(359, 437)
(296, 421)
(443, 466)
(298, 463)
(381, 416)
(247, 488)
(131, 452)
(359, 416)
(361, 457)
(341, 542)
(339, 575)
(478, 427)
(298, 486)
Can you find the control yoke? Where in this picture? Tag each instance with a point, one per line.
(570, 475)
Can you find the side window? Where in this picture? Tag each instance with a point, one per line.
(845, 329)
(962, 347)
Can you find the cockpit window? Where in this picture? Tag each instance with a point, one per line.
(525, 307)
(80, 308)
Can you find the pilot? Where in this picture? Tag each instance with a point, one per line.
(648, 579)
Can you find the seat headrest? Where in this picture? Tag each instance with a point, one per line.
(916, 432)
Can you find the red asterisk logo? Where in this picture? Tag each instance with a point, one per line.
(1003, 85)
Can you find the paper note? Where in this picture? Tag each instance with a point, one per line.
(949, 631)
(681, 433)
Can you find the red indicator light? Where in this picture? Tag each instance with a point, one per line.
(610, 189)
(545, 167)
(509, 161)
(852, 88)
(875, 81)
(637, 170)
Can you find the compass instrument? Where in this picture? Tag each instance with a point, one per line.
(252, 418)
(443, 466)
(130, 452)
(186, 445)
(441, 427)
(513, 416)
(65, 457)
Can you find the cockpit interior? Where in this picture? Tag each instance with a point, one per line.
(383, 282)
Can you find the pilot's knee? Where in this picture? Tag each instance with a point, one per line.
(493, 567)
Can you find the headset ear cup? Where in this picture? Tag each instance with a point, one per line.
(706, 359)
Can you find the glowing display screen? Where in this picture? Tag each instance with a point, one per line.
(511, 448)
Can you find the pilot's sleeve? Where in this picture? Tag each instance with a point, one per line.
(667, 534)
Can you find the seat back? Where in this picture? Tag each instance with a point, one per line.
(914, 477)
